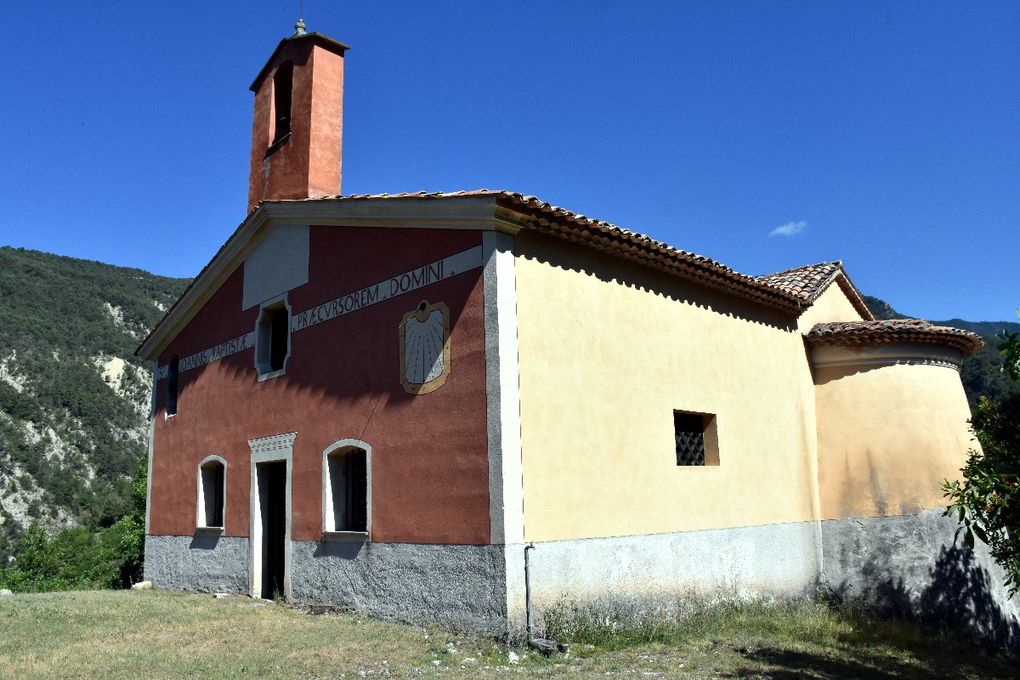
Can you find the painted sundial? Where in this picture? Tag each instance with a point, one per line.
(425, 348)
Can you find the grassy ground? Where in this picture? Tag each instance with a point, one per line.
(121, 634)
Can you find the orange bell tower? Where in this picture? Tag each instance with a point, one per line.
(297, 126)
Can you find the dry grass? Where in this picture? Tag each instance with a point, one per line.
(117, 634)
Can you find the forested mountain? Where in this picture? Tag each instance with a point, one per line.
(74, 399)
(981, 374)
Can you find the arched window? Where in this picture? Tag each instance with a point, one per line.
(172, 386)
(212, 493)
(346, 493)
(283, 85)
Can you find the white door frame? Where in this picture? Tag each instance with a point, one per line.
(277, 448)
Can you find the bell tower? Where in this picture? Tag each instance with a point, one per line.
(297, 126)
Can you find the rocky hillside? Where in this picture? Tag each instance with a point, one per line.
(982, 375)
(74, 400)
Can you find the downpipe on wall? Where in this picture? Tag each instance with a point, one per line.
(547, 647)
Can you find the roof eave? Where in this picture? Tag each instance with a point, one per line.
(472, 212)
(321, 40)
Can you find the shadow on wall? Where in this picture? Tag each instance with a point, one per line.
(959, 598)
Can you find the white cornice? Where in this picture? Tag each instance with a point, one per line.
(457, 212)
(829, 356)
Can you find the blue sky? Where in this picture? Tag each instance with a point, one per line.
(766, 135)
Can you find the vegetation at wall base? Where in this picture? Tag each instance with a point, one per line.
(125, 634)
(987, 501)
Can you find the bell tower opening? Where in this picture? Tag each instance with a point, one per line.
(283, 84)
(297, 123)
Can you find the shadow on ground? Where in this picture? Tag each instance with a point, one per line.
(955, 611)
(958, 598)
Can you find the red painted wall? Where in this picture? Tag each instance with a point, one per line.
(429, 452)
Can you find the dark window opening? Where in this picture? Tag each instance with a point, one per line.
(213, 477)
(172, 386)
(283, 83)
(348, 476)
(696, 439)
(273, 339)
(279, 323)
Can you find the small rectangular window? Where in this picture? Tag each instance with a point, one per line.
(172, 386)
(278, 344)
(272, 340)
(697, 442)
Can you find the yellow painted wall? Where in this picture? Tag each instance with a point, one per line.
(831, 305)
(887, 437)
(607, 351)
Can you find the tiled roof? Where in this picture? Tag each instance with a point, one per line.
(859, 333)
(609, 238)
(806, 282)
(810, 281)
(532, 213)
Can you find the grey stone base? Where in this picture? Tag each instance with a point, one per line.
(905, 565)
(204, 562)
(770, 559)
(456, 586)
(909, 567)
(460, 587)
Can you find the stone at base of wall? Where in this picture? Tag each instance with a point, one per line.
(460, 587)
(762, 560)
(908, 566)
(209, 563)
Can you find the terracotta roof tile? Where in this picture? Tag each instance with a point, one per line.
(810, 281)
(807, 282)
(861, 333)
(610, 238)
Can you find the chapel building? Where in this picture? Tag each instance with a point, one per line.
(384, 401)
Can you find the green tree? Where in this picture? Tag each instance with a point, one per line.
(987, 501)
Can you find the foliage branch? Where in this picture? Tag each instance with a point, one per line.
(987, 500)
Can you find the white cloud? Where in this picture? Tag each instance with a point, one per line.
(789, 229)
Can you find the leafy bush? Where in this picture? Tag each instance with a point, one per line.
(77, 559)
(987, 501)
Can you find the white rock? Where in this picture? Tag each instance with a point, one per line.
(5, 593)
(512, 657)
(142, 585)
(220, 596)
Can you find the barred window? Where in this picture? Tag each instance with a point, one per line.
(696, 439)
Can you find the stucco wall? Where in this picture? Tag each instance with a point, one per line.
(831, 305)
(887, 437)
(607, 351)
(429, 452)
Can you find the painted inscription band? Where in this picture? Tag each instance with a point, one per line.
(392, 287)
(224, 349)
(440, 270)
